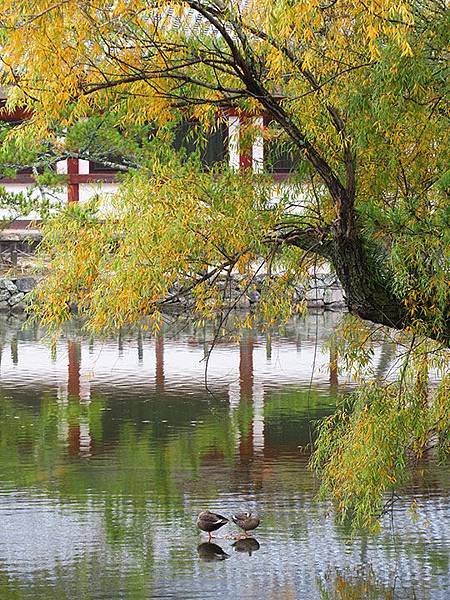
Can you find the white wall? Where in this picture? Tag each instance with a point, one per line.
(88, 190)
(58, 198)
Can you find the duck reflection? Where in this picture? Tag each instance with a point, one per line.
(248, 545)
(210, 552)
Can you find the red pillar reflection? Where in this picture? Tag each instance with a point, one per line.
(74, 357)
(140, 346)
(73, 391)
(333, 366)
(159, 374)
(246, 396)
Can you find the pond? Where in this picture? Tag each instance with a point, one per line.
(110, 448)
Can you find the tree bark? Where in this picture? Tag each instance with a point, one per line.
(367, 296)
(364, 276)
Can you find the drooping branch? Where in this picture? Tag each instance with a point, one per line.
(308, 239)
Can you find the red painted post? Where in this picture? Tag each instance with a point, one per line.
(245, 154)
(245, 160)
(73, 187)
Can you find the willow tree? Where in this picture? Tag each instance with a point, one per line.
(356, 88)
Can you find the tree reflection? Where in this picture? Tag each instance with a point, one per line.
(137, 465)
(354, 585)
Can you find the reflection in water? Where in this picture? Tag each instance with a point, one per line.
(357, 584)
(209, 551)
(159, 370)
(248, 545)
(109, 450)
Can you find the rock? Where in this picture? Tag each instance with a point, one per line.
(299, 292)
(4, 295)
(235, 294)
(20, 307)
(26, 284)
(314, 295)
(16, 298)
(253, 296)
(243, 303)
(315, 303)
(7, 284)
(316, 283)
(334, 296)
(4, 306)
(323, 280)
(329, 279)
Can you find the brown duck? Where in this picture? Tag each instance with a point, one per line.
(246, 521)
(209, 521)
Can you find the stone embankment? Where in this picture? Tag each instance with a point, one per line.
(14, 292)
(323, 292)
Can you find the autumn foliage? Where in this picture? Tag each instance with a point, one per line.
(356, 90)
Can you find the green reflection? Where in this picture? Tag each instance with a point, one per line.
(136, 467)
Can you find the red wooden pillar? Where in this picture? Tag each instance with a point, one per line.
(246, 160)
(245, 154)
(73, 187)
(12, 116)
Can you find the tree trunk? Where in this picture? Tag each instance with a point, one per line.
(363, 273)
(366, 294)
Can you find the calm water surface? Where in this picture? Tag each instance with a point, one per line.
(110, 448)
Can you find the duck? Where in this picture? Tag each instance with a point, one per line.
(209, 521)
(246, 521)
(210, 552)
